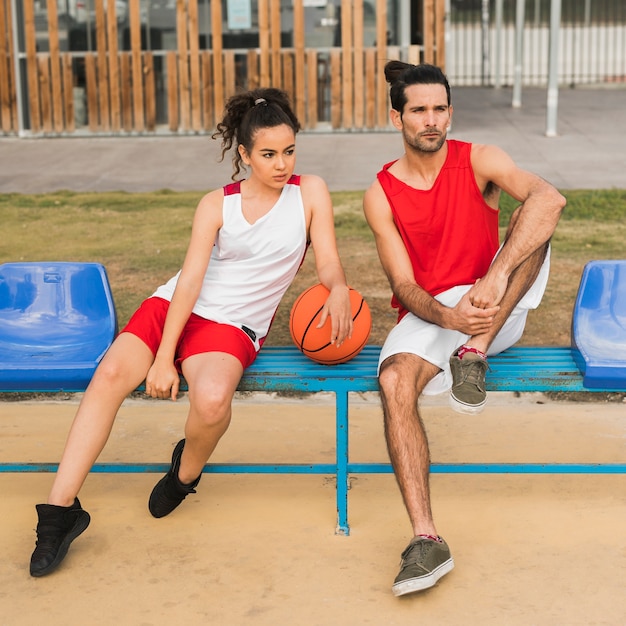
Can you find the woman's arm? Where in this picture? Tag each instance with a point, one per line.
(321, 232)
(162, 380)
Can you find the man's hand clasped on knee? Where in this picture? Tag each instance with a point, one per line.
(470, 319)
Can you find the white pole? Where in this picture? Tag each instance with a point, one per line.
(497, 83)
(519, 54)
(484, 20)
(404, 28)
(553, 69)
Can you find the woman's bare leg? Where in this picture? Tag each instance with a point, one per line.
(212, 378)
(122, 369)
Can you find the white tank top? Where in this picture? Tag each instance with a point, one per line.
(251, 265)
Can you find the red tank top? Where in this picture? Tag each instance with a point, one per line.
(450, 232)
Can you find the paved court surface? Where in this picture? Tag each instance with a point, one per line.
(540, 550)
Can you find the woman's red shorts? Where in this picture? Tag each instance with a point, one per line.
(199, 334)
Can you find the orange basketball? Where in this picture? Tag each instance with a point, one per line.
(315, 342)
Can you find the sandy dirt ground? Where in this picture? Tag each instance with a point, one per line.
(260, 549)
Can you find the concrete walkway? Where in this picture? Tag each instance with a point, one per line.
(589, 153)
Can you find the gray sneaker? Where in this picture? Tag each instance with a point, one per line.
(468, 394)
(424, 562)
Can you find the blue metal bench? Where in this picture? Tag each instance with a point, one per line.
(522, 369)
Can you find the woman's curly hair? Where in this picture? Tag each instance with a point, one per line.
(246, 113)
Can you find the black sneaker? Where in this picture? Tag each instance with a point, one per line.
(424, 562)
(169, 492)
(58, 526)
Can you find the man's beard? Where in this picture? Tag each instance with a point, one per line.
(419, 145)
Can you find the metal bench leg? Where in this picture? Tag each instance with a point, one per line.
(341, 419)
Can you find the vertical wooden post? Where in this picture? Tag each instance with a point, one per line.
(347, 84)
(126, 86)
(114, 72)
(183, 63)
(149, 90)
(56, 86)
(43, 63)
(359, 76)
(172, 91)
(429, 31)
(335, 88)
(275, 43)
(300, 76)
(31, 66)
(440, 35)
(206, 72)
(103, 73)
(287, 79)
(312, 89)
(264, 43)
(194, 65)
(381, 53)
(370, 87)
(68, 93)
(92, 91)
(229, 73)
(252, 62)
(137, 65)
(7, 82)
(218, 72)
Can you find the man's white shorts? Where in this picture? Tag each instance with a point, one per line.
(435, 344)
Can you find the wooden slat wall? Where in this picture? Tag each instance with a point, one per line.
(344, 86)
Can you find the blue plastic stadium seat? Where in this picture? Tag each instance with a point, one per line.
(599, 325)
(57, 320)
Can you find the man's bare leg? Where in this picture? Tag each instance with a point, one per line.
(520, 281)
(402, 379)
(427, 557)
(468, 394)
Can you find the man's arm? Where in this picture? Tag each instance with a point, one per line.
(397, 266)
(536, 219)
